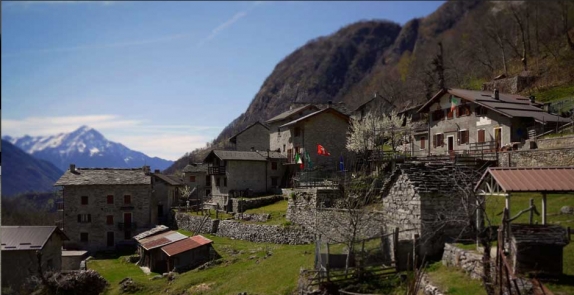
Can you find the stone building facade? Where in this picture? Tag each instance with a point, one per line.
(19, 246)
(253, 138)
(166, 192)
(460, 118)
(104, 208)
(279, 138)
(195, 176)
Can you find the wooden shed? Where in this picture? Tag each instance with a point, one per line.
(149, 248)
(537, 248)
(188, 253)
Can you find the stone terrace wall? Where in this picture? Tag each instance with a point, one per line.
(538, 158)
(556, 142)
(259, 233)
(470, 262)
(240, 205)
(190, 223)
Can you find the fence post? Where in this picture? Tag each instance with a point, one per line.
(396, 247)
(327, 264)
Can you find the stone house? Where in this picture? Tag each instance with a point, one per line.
(279, 139)
(234, 173)
(254, 137)
(376, 105)
(426, 199)
(464, 121)
(165, 195)
(327, 127)
(195, 176)
(19, 258)
(104, 208)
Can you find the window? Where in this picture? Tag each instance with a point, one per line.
(207, 192)
(127, 235)
(84, 218)
(110, 219)
(463, 137)
(297, 131)
(273, 165)
(225, 181)
(84, 200)
(274, 181)
(463, 110)
(218, 183)
(84, 237)
(110, 199)
(423, 139)
(450, 114)
(481, 136)
(192, 179)
(438, 140)
(127, 199)
(283, 148)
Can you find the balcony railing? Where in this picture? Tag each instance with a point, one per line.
(127, 226)
(216, 170)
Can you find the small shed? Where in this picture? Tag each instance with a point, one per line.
(71, 260)
(188, 253)
(537, 248)
(150, 252)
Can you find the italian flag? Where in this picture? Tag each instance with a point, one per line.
(299, 161)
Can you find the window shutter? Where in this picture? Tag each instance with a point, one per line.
(79, 218)
(442, 140)
(466, 137)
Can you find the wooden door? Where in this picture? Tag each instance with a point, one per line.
(498, 137)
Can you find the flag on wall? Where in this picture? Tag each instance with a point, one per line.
(308, 159)
(299, 161)
(453, 103)
(321, 151)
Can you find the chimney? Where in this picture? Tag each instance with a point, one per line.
(72, 168)
(156, 171)
(532, 99)
(496, 96)
(146, 170)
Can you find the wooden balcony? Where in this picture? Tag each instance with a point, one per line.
(216, 170)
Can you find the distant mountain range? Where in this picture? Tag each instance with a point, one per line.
(85, 147)
(23, 173)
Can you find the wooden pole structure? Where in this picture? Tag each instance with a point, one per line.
(543, 208)
(507, 203)
(531, 213)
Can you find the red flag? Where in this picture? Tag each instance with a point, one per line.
(321, 151)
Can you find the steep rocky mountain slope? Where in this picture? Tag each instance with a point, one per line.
(24, 173)
(479, 40)
(85, 147)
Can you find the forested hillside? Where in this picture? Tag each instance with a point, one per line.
(480, 41)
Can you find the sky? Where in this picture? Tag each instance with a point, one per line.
(162, 78)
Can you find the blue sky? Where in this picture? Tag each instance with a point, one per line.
(160, 77)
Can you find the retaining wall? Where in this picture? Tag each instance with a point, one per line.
(538, 158)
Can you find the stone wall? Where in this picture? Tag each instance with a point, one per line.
(509, 85)
(428, 288)
(468, 261)
(556, 142)
(240, 205)
(256, 136)
(252, 217)
(258, 233)
(537, 158)
(191, 222)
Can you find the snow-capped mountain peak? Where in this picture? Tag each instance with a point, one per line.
(85, 147)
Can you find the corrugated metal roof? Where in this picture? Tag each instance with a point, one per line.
(510, 105)
(540, 179)
(156, 230)
(314, 114)
(27, 237)
(289, 113)
(186, 245)
(107, 176)
(161, 239)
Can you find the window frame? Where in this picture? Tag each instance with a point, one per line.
(192, 178)
(478, 139)
(273, 165)
(127, 199)
(108, 198)
(84, 200)
(463, 135)
(87, 237)
(108, 220)
(422, 143)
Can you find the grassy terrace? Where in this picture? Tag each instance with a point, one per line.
(453, 281)
(242, 269)
(277, 211)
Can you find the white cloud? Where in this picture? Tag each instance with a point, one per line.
(164, 141)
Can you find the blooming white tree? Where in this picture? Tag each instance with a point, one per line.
(373, 131)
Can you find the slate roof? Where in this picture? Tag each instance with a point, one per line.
(27, 237)
(161, 239)
(289, 113)
(243, 155)
(169, 179)
(233, 139)
(195, 168)
(438, 177)
(327, 110)
(104, 176)
(538, 234)
(156, 230)
(509, 105)
(185, 245)
(531, 179)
